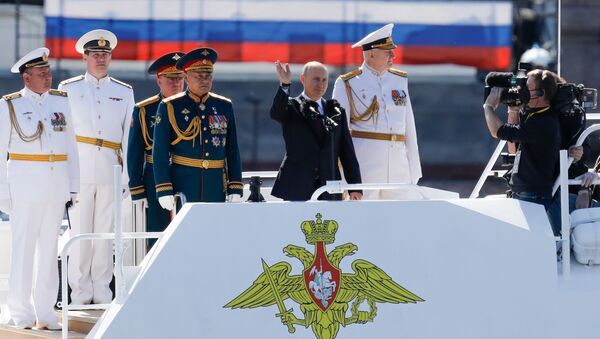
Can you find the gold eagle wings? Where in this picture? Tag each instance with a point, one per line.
(368, 282)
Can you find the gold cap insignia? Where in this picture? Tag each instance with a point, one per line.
(45, 57)
(205, 52)
(101, 42)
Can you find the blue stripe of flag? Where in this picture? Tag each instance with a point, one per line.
(280, 32)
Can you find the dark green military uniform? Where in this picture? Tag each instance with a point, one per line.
(140, 164)
(195, 148)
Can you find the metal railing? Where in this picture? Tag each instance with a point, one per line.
(338, 187)
(118, 236)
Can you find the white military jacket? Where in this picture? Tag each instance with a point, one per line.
(381, 105)
(101, 110)
(48, 179)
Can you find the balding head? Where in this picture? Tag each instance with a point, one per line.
(314, 78)
(311, 65)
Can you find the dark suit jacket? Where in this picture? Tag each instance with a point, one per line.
(308, 162)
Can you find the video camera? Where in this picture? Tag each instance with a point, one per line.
(514, 86)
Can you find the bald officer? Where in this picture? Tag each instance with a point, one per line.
(139, 153)
(40, 176)
(195, 142)
(382, 125)
(102, 108)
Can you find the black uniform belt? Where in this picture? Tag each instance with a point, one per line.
(199, 163)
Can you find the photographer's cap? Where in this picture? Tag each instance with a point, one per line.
(381, 39)
(36, 58)
(98, 40)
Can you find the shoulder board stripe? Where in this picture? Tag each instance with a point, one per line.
(148, 101)
(220, 97)
(74, 79)
(12, 96)
(57, 92)
(351, 74)
(174, 96)
(121, 82)
(398, 72)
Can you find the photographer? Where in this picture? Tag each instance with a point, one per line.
(536, 132)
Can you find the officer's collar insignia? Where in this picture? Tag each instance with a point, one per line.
(185, 111)
(205, 52)
(176, 57)
(322, 288)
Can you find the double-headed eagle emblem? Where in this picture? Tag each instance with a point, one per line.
(322, 290)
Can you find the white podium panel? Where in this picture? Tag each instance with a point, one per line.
(421, 269)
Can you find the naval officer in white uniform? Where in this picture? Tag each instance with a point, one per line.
(375, 97)
(102, 108)
(40, 176)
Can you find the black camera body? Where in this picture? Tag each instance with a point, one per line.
(514, 87)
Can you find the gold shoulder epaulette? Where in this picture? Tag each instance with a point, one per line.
(121, 82)
(174, 96)
(57, 92)
(220, 97)
(398, 72)
(148, 101)
(12, 96)
(73, 79)
(351, 74)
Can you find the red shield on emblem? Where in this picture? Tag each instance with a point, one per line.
(322, 279)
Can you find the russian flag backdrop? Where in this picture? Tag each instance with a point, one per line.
(427, 32)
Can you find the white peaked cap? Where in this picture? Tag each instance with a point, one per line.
(380, 38)
(537, 56)
(96, 40)
(36, 58)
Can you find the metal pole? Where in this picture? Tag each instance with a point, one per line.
(564, 215)
(118, 236)
(559, 39)
(65, 294)
(17, 27)
(487, 169)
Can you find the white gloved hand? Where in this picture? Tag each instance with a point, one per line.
(125, 192)
(167, 202)
(5, 205)
(233, 197)
(143, 203)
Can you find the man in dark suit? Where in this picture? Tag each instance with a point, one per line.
(316, 135)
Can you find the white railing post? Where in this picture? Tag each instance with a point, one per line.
(118, 237)
(488, 168)
(564, 214)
